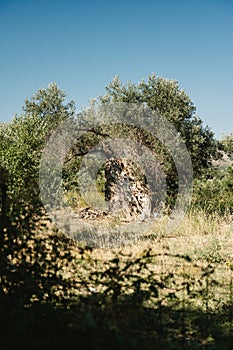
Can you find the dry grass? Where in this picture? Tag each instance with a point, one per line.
(196, 232)
(207, 240)
(201, 236)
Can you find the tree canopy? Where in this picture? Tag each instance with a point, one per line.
(23, 139)
(169, 100)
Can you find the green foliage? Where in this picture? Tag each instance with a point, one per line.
(49, 105)
(29, 260)
(101, 180)
(23, 139)
(213, 192)
(226, 144)
(163, 96)
(211, 253)
(53, 292)
(166, 97)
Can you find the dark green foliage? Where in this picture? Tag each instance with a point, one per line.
(29, 260)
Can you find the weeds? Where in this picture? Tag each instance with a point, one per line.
(172, 292)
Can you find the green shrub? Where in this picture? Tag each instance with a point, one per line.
(214, 191)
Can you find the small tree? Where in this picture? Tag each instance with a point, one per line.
(23, 139)
(29, 261)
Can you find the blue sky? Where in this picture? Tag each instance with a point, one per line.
(82, 45)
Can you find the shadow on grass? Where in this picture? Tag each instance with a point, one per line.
(126, 313)
(93, 322)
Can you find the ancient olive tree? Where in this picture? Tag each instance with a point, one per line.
(24, 138)
(168, 99)
(165, 98)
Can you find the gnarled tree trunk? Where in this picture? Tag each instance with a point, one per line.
(126, 191)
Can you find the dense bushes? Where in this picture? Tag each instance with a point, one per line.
(226, 145)
(214, 191)
(55, 293)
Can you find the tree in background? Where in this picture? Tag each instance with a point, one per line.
(213, 191)
(23, 139)
(226, 145)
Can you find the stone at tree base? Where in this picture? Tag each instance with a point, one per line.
(127, 195)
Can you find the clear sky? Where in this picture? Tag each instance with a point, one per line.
(82, 45)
